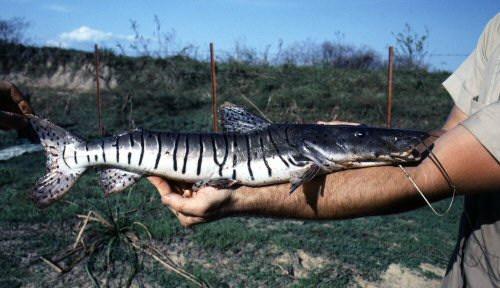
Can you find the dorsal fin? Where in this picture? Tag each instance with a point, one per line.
(235, 119)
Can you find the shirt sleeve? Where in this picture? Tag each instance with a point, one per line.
(466, 82)
(485, 126)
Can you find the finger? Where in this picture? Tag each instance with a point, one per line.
(25, 107)
(168, 199)
(185, 219)
(187, 193)
(10, 120)
(337, 123)
(187, 206)
(12, 91)
(188, 221)
(173, 211)
(161, 185)
(176, 202)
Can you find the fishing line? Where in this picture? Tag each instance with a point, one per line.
(425, 198)
(436, 161)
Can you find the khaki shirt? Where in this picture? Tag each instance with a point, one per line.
(475, 89)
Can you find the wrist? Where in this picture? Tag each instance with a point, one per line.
(235, 203)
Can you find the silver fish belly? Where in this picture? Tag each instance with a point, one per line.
(252, 151)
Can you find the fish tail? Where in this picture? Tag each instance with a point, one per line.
(61, 173)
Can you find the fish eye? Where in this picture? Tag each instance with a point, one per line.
(359, 134)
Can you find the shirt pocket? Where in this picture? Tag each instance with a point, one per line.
(475, 105)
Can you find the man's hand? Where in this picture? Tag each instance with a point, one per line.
(193, 207)
(338, 123)
(13, 105)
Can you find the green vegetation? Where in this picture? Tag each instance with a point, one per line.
(174, 94)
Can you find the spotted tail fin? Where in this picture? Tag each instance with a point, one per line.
(60, 175)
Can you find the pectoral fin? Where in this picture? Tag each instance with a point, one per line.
(309, 151)
(305, 174)
(116, 180)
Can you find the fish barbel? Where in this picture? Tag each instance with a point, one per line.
(251, 151)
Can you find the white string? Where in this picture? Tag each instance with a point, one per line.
(425, 198)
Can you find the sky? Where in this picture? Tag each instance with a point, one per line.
(454, 25)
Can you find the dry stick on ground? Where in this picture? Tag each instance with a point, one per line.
(170, 265)
(133, 239)
(83, 228)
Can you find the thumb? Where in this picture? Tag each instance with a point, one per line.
(161, 185)
(175, 201)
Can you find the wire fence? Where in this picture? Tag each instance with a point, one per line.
(289, 93)
(75, 69)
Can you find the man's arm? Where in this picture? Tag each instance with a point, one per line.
(351, 193)
(456, 116)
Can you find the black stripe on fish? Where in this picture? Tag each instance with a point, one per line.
(74, 155)
(117, 149)
(276, 147)
(159, 150)
(226, 152)
(175, 151)
(200, 159)
(95, 157)
(64, 158)
(235, 157)
(235, 160)
(142, 147)
(129, 157)
(87, 149)
(269, 171)
(249, 155)
(186, 155)
(131, 139)
(214, 149)
(103, 152)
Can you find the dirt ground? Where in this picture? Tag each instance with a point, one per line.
(24, 243)
(397, 276)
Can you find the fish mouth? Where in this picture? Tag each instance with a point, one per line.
(416, 152)
(410, 155)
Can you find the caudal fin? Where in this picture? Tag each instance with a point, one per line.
(62, 174)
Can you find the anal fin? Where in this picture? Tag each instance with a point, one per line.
(220, 183)
(116, 180)
(305, 174)
(54, 184)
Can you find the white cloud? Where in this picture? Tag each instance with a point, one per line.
(58, 8)
(85, 35)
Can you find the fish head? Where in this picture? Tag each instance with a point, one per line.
(361, 146)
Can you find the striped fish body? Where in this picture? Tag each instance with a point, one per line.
(252, 152)
(255, 159)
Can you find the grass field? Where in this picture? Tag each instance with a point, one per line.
(240, 251)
